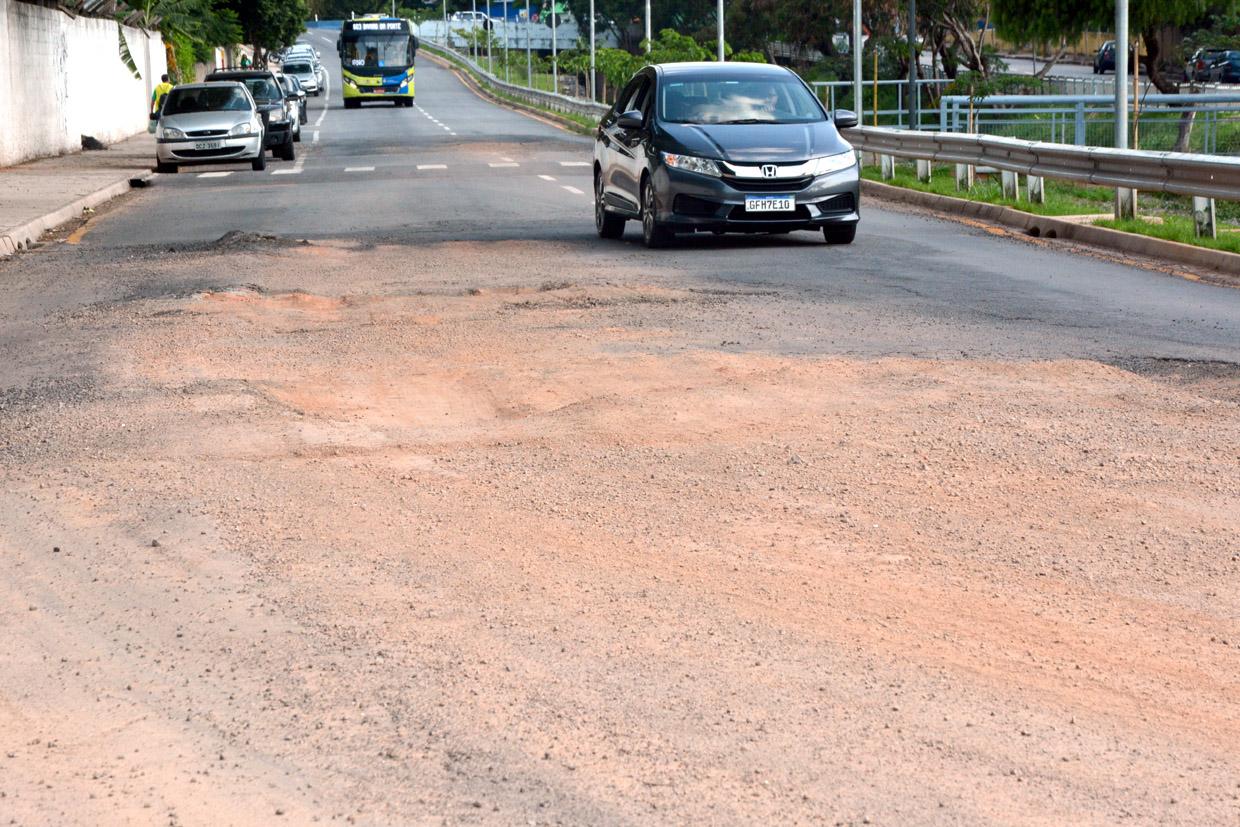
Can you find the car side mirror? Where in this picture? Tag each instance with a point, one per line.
(631, 120)
(844, 119)
(154, 116)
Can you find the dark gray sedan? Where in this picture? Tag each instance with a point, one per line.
(723, 147)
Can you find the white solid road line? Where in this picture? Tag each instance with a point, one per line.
(432, 166)
(214, 174)
(574, 190)
(546, 177)
(359, 169)
(495, 166)
(574, 163)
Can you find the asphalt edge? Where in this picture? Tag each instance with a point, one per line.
(478, 88)
(1043, 226)
(25, 236)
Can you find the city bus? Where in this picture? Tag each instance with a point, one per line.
(376, 60)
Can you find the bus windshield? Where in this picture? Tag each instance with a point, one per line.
(367, 50)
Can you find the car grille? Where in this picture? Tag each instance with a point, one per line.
(689, 205)
(209, 153)
(769, 184)
(841, 203)
(207, 133)
(739, 213)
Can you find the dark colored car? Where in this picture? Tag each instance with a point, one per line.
(1104, 60)
(1225, 68)
(1199, 64)
(723, 147)
(269, 95)
(294, 90)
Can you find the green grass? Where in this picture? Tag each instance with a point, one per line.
(1066, 198)
(1175, 228)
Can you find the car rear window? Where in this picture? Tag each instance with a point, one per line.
(297, 68)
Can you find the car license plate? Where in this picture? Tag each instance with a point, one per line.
(208, 144)
(770, 203)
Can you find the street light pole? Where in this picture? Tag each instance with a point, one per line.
(719, 13)
(647, 26)
(473, 28)
(913, 102)
(1121, 74)
(593, 97)
(555, 56)
(507, 66)
(856, 47)
(529, 52)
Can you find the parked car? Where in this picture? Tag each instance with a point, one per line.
(269, 95)
(470, 20)
(304, 70)
(1198, 66)
(723, 147)
(1104, 60)
(291, 85)
(1225, 68)
(208, 123)
(295, 103)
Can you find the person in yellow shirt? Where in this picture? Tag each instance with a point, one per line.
(157, 96)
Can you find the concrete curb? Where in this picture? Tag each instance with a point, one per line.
(26, 235)
(1042, 226)
(478, 88)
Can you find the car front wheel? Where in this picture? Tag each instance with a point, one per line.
(654, 234)
(840, 233)
(609, 225)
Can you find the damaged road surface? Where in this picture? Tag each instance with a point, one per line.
(517, 527)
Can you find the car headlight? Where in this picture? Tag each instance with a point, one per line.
(277, 116)
(246, 128)
(834, 163)
(691, 163)
(170, 133)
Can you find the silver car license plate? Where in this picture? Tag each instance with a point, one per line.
(208, 144)
(770, 203)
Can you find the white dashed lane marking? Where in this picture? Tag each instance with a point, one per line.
(574, 163)
(359, 169)
(503, 164)
(546, 177)
(285, 171)
(432, 166)
(214, 174)
(574, 190)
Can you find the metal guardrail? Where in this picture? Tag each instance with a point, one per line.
(1176, 173)
(535, 97)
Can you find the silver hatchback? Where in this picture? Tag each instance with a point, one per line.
(208, 123)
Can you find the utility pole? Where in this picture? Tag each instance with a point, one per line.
(593, 97)
(647, 26)
(473, 28)
(1121, 74)
(856, 47)
(555, 56)
(719, 12)
(507, 65)
(529, 52)
(913, 58)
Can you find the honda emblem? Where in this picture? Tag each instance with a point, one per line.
(770, 171)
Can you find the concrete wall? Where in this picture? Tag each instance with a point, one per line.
(62, 78)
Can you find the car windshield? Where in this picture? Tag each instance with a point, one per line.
(263, 88)
(738, 100)
(297, 68)
(205, 99)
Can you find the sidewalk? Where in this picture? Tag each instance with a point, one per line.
(40, 195)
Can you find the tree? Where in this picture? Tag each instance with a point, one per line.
(270, 24)
(189, 27)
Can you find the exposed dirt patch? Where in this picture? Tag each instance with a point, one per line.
(341, 548)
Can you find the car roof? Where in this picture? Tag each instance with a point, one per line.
(213, 84)
(729, 68)
(229, 74)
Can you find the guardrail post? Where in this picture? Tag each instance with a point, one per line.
(1011, 184)
(887, 165)
(923, 170)
(1203, 217)
(1080, 123)
(964, 177)
(1037, 189)
(1125, 203)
